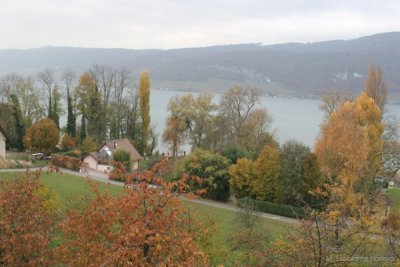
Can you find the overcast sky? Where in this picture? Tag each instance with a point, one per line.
(188, 23)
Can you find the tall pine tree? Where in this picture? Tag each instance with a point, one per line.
(71, 117)
(55, 116)
(19, 126)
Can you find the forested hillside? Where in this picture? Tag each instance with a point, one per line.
(290, 69)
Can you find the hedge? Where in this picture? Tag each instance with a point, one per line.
(66, 162)
(273, 208)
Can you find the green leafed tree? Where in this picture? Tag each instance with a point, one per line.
(56, 108)
(300, 174)
(71, 116)
(197, 114)
(19, 127)
(212, 169)
(91, 108)
(68, 77)
(88, 145)
(234, 153)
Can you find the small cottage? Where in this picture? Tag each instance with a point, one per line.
(101, 159)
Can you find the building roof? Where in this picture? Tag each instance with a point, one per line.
(94, 155)
(3, 132)
(123, 144)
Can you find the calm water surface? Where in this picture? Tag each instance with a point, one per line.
(293, 118)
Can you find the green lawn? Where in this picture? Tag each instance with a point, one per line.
(225, 223)
(394, 196)
(71, 189)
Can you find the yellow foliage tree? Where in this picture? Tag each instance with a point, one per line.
(266, 185)
(348, 151)
(258, 179)
(241, 174)
(350, 145)
(144, 101)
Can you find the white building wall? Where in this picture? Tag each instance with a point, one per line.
(135, 165)
(2, 146)
(90, 162)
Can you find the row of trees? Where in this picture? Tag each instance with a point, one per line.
(238, 129)
(336, 184)
(237, 120)
(105, 100)
(355, 150)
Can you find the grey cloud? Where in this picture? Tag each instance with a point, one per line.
(180, 23)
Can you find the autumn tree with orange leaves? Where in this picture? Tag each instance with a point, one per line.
(43, 136)
(349, 152)
(146, 226)
(27, 221)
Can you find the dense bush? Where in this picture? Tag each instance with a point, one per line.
(211, 168)
(233, 153)
(273, 208)
(66, 162)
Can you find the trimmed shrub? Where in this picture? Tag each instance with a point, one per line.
(66, 162)
(273, 208)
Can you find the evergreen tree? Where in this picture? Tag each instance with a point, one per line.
(50, 111)
(71, 120)
(55, 113)
(20, 130)
(144, 102)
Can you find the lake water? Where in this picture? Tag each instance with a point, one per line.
(293, 118)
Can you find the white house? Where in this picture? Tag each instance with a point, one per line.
(3, 138)
(100, 159)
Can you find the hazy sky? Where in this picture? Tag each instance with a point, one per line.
(189, 23)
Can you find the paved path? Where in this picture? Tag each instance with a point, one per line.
(102, 177)
(232, 207)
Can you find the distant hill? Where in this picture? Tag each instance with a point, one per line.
(293, 68)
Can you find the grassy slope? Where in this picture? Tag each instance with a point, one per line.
(70, 190)
(394, 196)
